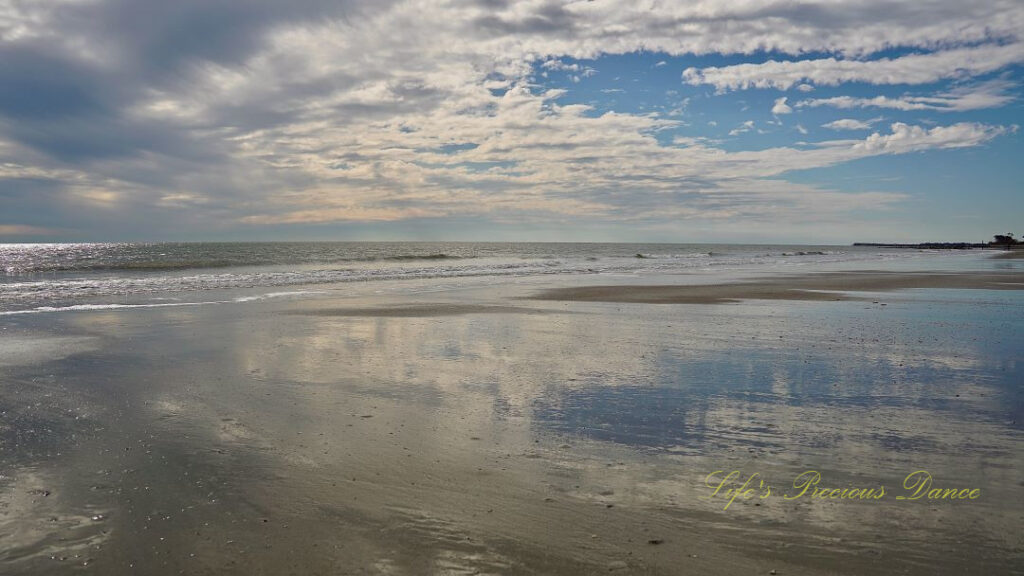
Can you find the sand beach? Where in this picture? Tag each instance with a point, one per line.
(535, 425)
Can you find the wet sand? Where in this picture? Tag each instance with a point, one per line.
(416, 311)
(808, 287)
(451, 433)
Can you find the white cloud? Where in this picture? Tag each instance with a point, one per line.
(905, 138)
(781, 107)
(745, 127)
(992, 94)
(910, 69)
(847, 124)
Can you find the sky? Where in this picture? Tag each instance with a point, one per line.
(817, 121)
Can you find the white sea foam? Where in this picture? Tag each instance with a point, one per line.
(93, 307)
(87, 307)
(277, 295)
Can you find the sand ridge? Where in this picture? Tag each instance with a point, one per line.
(824, 287)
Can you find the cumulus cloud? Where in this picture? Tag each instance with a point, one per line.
(781, 107)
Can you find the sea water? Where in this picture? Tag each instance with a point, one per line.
(53, 277)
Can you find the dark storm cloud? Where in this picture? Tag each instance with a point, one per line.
(549, 18)
(72, 108)
(156, 38)
(41, 83)
(67, 94)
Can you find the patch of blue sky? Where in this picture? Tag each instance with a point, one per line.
(950, 176)
(736, 120)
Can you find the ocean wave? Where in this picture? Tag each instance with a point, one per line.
(164, 265)
(40, 291)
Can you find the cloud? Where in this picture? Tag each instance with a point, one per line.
(910, 69)
(199, 115)
(745, 127)
(992, 94)
(847, 124)
(905, 138)
(575, 168)
(23, 230)
(556, 64)
(781, 107)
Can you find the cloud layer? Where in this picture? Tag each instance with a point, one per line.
(224, 116)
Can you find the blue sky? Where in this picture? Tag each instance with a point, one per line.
(495, 120)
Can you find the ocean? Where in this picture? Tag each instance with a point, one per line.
(37, 278)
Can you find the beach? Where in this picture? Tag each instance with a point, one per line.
(625, 421)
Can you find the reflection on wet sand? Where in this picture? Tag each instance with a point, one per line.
(251, 439)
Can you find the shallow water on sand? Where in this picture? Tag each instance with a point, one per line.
(307, 437)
